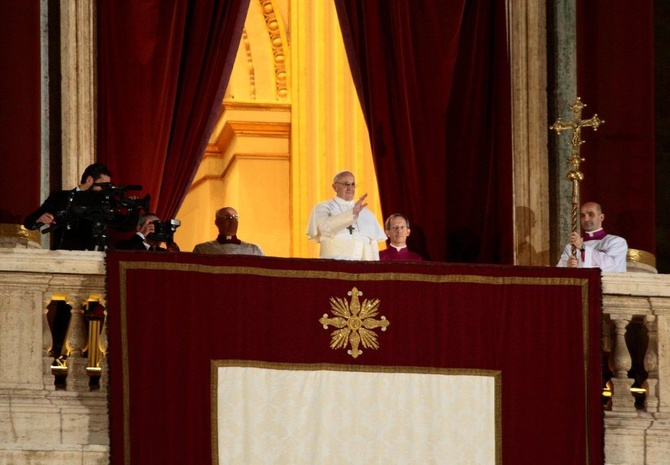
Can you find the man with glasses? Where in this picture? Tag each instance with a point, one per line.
(227, 221)
(344, 228)
(397, 230)
(145, 239)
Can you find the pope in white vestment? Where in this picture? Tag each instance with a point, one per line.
(344, 228)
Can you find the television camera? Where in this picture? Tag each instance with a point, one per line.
(164, 231)
(107, 207)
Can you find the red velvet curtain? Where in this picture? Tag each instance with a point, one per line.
(163, 67)
(20, 110)
(616, 80)
(433, 78)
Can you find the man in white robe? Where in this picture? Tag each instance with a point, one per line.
(344, 228)
(595, 248)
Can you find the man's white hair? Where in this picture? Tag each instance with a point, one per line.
(340, 174)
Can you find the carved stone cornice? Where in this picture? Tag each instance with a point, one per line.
(636, 284)
(56, 262)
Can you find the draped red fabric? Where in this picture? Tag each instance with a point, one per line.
(434, 86)
(170, 316)
(163, 66)
(615, 69)
(20, 110)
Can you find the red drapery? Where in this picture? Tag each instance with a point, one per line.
(20, 110)
(435, 88)
(171, 315)
(615, 50)
(163, 67)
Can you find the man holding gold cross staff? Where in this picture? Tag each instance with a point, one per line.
(594, 248)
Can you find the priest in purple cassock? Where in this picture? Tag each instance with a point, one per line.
(595, 247)
(397, 230)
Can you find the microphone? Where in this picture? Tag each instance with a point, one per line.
(132, 187)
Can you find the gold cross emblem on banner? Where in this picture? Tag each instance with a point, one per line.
(355, 321)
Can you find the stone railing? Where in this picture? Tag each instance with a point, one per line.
(53, 386)
(53, 399)
(636, 338)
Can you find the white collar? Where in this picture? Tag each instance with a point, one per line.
(341, 201)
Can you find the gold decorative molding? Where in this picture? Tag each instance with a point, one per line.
(19, 235)
(250, 64)
(258, 128)
(636, 258)
(230, 105)
(355, 322)
(234, 129)
(212, 151)
(280, 54)
(252, 156)
(232, 160)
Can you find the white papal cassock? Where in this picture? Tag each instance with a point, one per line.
(342, 235)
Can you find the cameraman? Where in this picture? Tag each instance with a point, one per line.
(76, 236)
(142, 239)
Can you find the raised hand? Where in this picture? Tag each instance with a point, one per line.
(360, 205)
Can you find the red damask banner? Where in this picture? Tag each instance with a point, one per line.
(171, 316)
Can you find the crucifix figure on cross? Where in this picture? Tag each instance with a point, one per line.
(575, 175)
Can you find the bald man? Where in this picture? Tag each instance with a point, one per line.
(595, 247)
(227, 221)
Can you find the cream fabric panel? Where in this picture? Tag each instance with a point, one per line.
(289, 416)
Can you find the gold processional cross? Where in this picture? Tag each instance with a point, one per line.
(575, 159)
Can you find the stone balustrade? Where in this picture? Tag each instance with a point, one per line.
(53, 394)
(636, 335)
(53, 408)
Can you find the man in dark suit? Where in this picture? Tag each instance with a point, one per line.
(79, 234)
(144, 238)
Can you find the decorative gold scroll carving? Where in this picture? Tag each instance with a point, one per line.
(250, 64)
(278, 52)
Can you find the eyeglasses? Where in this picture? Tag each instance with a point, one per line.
(347, 184)
(230, 217)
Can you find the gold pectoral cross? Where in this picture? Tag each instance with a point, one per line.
(575, 175)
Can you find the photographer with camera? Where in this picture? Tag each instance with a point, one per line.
(76, 236)
(79, 218)
(151, 233)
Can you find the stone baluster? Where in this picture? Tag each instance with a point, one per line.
(47, 344)
(96, 316)
(620, 364)
(661, 310)
(75, 343)
(651, 364)
(103, 344)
